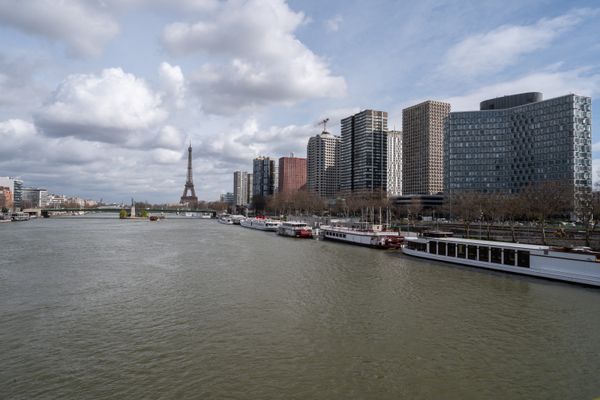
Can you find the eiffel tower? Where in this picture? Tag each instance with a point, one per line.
(189, 183)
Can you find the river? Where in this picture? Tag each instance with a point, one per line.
(193, 309)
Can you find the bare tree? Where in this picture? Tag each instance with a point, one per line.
(545, 200)
(588, 212)
(467, 205)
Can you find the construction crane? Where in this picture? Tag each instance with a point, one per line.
(324, 123)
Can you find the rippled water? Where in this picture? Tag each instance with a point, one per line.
(192, 309)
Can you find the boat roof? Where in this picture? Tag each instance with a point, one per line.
(483, 242)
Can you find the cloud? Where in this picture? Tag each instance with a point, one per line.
(333, 24)
(113, 107)
(490, 52)
(173, 83)
(582, 81)
(270, 65)
(82, 25)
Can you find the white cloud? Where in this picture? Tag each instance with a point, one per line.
(169, 137)
(552, 83)
(173, 83)
(493, 51)
(333, 24)
(113, 107)
(262, 61)
(82, 25)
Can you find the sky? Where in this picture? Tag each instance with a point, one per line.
(100, 98)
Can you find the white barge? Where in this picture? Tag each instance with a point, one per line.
(295, 229)
(262, 224)
(367, 235)
(570, 265)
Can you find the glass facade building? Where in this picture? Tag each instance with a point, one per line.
(501, 149)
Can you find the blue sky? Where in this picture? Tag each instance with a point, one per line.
(99, 98)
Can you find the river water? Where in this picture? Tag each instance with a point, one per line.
(192, 309)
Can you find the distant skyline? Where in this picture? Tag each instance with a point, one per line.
(99, 99)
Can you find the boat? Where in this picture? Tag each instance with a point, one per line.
(205, 215)
(225, 219)
(363, 235)
(295, 229)
(237, 219)
(576, 265)
(262, 224)
(19, 216)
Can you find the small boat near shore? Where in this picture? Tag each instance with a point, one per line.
(225, 219)
(261, 224)
(364, 235)
(576, 265)
(295, 229)
(19, 216)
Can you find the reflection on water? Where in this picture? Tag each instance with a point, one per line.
(195, 309)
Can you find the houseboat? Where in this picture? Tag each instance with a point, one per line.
(262, 224)
(363, 235)
(295, 229)
(577, 265)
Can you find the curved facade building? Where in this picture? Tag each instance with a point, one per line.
(507, 148)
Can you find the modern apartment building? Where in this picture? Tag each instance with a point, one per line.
(516, 140)
(16, 188)
(394, 163)
(363, 157)
(292, 174)
(240, 188)
(34, 197)
(423, 148)
(265, 177)
(322, 166)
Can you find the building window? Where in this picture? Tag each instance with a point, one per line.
(432, 247)
(484, 254)
(451, 250)
(472, 252)
(509, 257)
(523, 258)
(496, 255)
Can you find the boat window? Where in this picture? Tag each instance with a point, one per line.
(344, 235)
(411, 245)
(523, 258)
(509, 257)
(451, 250)
(422, 247)
(472, 252)
(484, 254)
(433, 247)
(441, 248)
(462, 250)
(496, 255)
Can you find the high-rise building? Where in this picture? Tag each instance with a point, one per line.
(363, 157)
(423, 148)
(265, 177)
(292, 174)
(240, 188)
(250, 185)
(394, 163)
(517, 140)
(323, 158)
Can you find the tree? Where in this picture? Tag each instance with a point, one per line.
(547, 199)
(123, 214)
(588, 212)
(467, 206)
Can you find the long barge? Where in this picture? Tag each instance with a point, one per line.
(569, 265)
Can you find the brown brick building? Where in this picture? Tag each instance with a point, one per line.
(292, 174)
